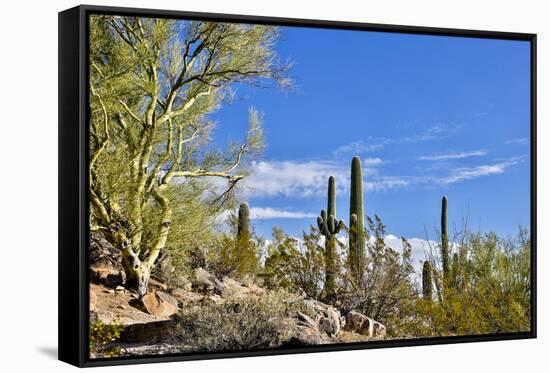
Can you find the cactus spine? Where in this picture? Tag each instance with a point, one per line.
(427, 280)
(444, 239)
(243, 225)
(329, 227)
(356, 236)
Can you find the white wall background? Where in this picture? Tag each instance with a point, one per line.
(28, 185)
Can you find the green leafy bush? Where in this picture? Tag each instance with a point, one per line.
(382, 288)
(296, 266)
(104, 339)
(488, 293)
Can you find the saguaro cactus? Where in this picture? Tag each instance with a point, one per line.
(427, 280)
(455, 271)
(329, 227)
(356, 236)
(243, 225)
(444, 239)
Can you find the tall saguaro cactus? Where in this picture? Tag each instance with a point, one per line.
(427, 280)
(243, 225)
(356, 236)
(444, 240)
(329, 227)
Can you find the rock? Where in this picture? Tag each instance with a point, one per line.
(108, 276)
(306, 336)
(119, 287)
(379, 330)
(93, 300)
(186, 296)
(204, 281)
(159, 304)
(110, 291)
(359, 323)
(162, 348)
(215, 298)
(327, 326)
(327, 317)
(158, 284)
(308, 331)
(233, 287)
(304, 320)
(149, 332)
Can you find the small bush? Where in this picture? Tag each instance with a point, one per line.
(296, 266)
(104, 339)
(239, 322)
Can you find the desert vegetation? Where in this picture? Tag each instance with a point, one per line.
(179, 249)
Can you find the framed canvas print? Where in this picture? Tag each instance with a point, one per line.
(235, 186)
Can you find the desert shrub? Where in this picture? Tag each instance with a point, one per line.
(294, 265)
(488, 292)
(384, 288)
(104, 339)
(237, 323)
(234, 257)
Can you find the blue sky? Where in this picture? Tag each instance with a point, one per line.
(428, 115)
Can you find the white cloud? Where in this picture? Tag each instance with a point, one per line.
(372, 161)
(457, 155)
(274, 213)
(292, 178)
(309, 178)
(467, 173)
(302, 179)
(419, 248)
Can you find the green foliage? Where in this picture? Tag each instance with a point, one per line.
(490, 292)
(239, 323)
(104, 339)
(356, 237)
(382, 289)
(154, 86)
(234, 257)
(297, 267)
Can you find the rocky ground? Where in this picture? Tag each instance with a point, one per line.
(147, 321)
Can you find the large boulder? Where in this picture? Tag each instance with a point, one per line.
(321, 325)
(159, 304)
(327, 317)
(206, 282)
(307, 330)
(359, 323)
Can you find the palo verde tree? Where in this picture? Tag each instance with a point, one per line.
(153, 85)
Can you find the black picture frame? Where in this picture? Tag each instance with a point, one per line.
(73, 178)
